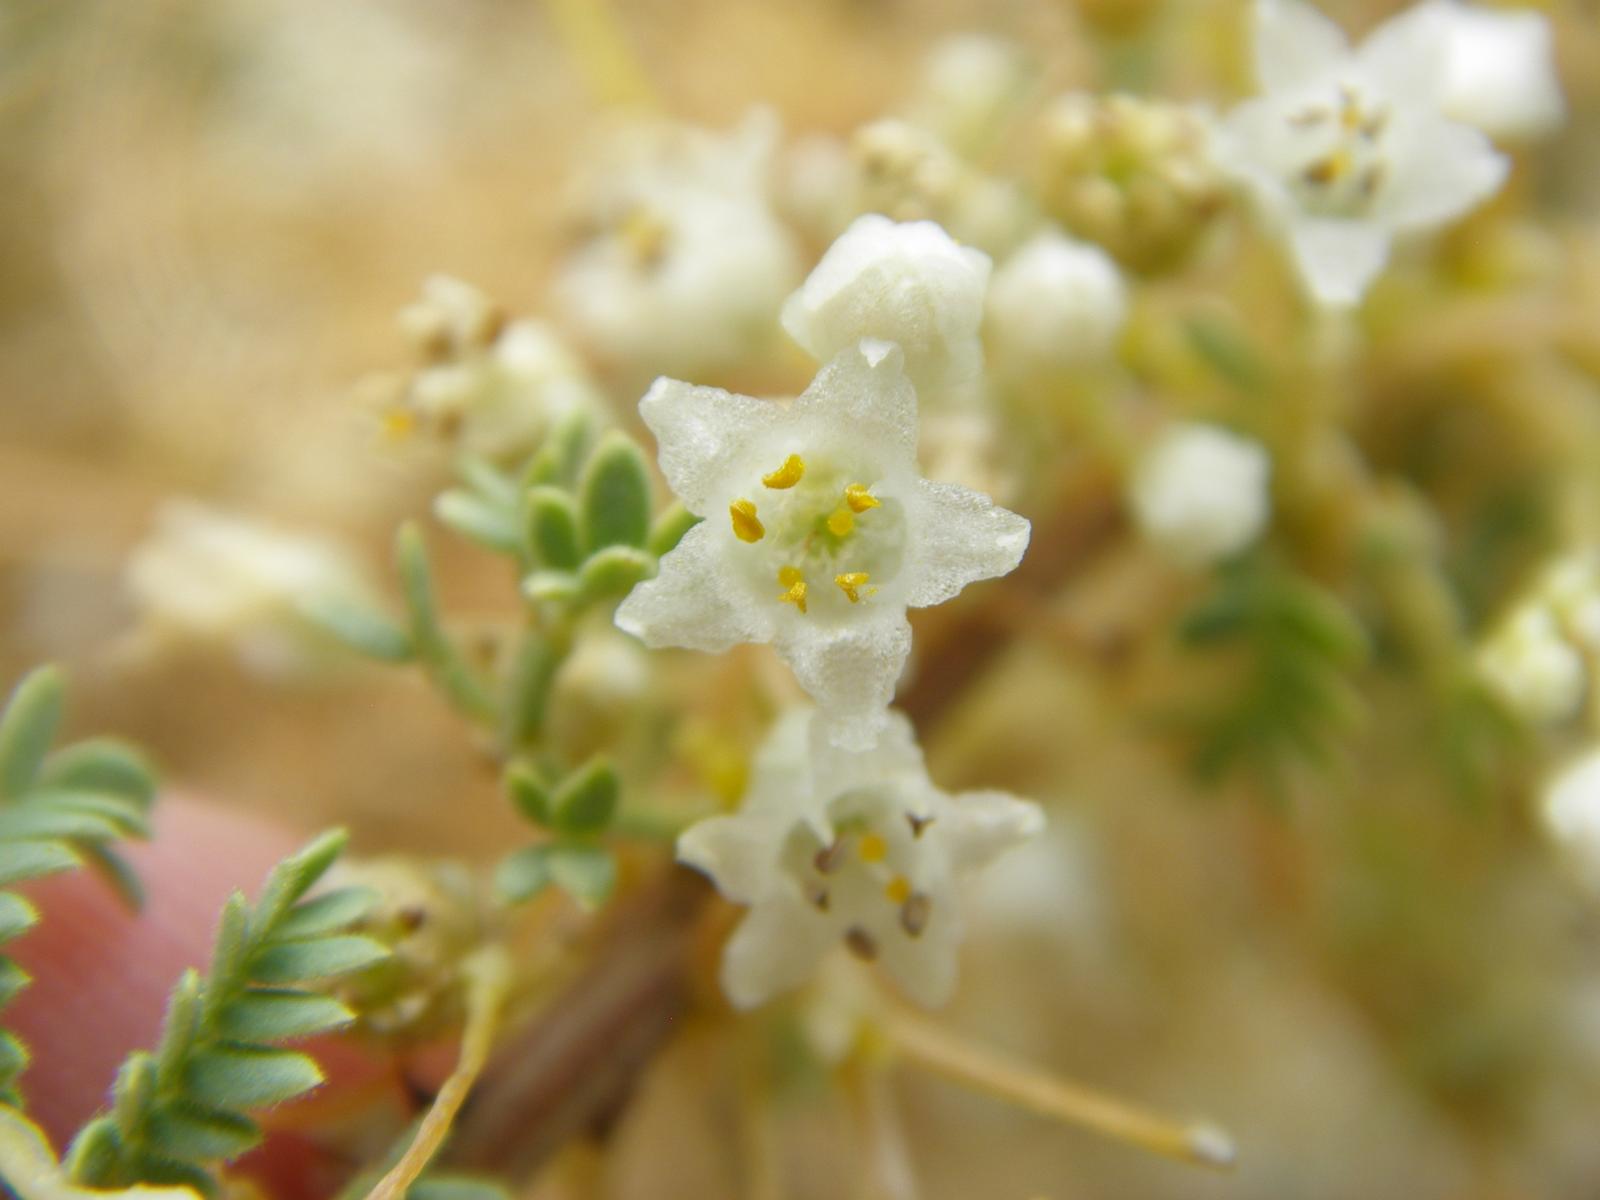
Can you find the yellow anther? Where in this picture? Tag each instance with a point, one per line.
(859, 499)
(399, 424)
(873, 848)
(849, 584)
(795, 583)
(786, 476)
(841, 521)
(899, 890)
(747, 527)
(645, 236)
(1331, 169)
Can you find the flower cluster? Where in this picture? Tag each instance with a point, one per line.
(1540, 657)
(819, 534)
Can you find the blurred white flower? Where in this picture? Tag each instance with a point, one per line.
(860, 848)
(1500, 69)
(967, 87)
(1571, 811)
(819, 532)
(1200, 493)
(1057, 302)
(494, 387)
(1348, 148)
(909, 283)
(1571, 586)
(208, 575)
(688, 263)
(1532, 666)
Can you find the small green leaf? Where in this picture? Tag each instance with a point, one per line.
(188, 1131)
(95, 1153)
(134, 1089)
(230, 1075)
(523, 874)
(615, 495)
(553, 529)
(319, 958)
(456, 1187)
(586, 800)
(669, 528)
(182, 1023)
(35, 860)
(587, 873)
(328, 913)
(556, 587)
(359, 629)
(488, 481)
(102, 765)
(528, 793)
(294, 877)
(615, 571)
(281, 1014)
(12, 980)
(478, 520)
(559, 458)
(449, 671)
(124, 812)
(27, 726)
(13, 1057)
(1227, 351)
(17, 916)
(116, 871)
(29, 820)
(233, 941)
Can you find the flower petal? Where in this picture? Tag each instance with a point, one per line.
(775, 949)
(739, 853)
(695, 601)
(1338, 260)
(862, 394)
(1445, 169)
(851, 672)
(704, 435)
(1406, 57)
(962, 537)
(925, 966)
(978, 826)
(1294, 43)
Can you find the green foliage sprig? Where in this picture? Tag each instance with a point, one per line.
(57, 811)
(1297, 645)
(182, 1108)
(576, 522)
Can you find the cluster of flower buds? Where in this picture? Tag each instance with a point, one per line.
(819, 533)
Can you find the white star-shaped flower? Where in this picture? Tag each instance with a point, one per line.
(905, 282)
(819, 531)
(1571, 810)
(1349, 148)
(859, 848)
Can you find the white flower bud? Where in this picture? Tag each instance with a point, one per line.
(1201, 493)
(1056, 302)
(910, 284)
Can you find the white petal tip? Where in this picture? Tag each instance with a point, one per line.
(1212, 1146)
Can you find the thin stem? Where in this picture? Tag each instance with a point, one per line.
(593, 37)
(936, 1049)
(488, 980)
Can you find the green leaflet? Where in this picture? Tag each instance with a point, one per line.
(180, 1108)
(58, 811)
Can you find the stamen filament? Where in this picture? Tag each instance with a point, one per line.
(934, 1048)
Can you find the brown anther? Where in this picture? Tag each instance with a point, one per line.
(412, 917)
(914, 913)
(918, 823)
(859, 942)
(818, 896)
(827, 860)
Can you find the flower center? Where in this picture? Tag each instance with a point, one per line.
(820, 537)
(1339, 154)
(863, 880)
